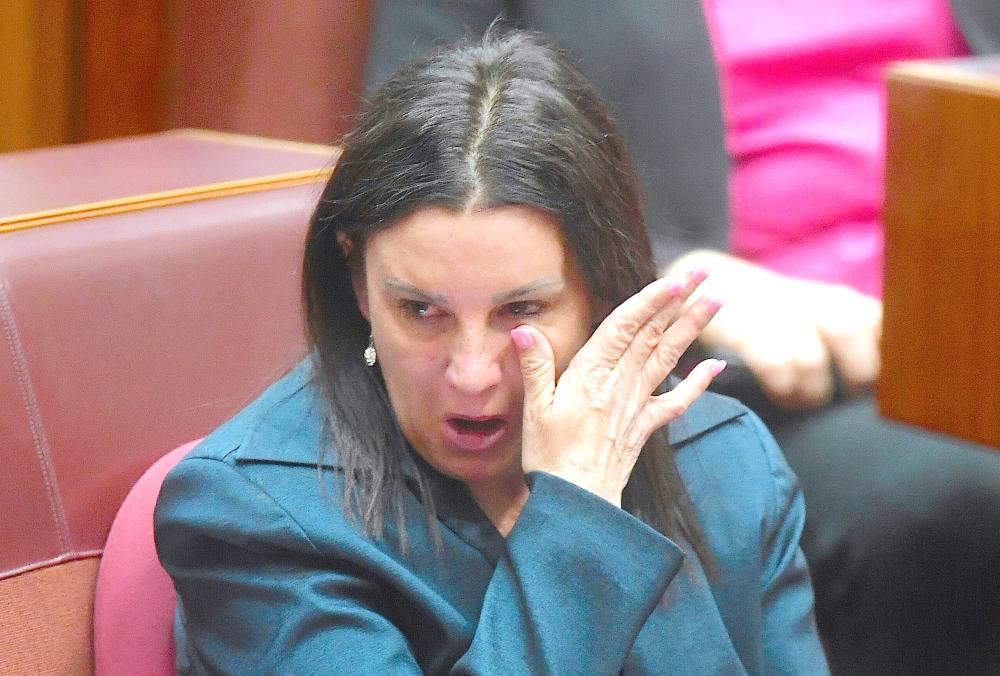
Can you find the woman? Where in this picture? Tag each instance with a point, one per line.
(481, 504)
(758, 130)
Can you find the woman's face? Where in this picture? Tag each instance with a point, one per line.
(442, 291)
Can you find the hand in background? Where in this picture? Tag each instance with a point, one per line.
(788, 331)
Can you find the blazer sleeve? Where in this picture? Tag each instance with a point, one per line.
(255, 593)
(790, 640)
(652, 64)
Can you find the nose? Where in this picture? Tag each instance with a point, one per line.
(475, 362)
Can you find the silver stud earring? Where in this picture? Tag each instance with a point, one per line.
(370, 355)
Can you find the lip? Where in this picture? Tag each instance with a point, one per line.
(474, 440)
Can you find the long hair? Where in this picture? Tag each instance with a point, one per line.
(505, 121)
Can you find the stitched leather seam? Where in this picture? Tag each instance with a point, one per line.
(34, 418)
(69, 557)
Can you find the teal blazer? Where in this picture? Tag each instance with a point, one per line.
(272, 577)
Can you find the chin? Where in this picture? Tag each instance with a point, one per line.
(503, 464)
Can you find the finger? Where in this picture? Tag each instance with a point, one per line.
(795, 371)
(650, 335)
(538, 368)
(854, 344)
(614, 335)
(677, 339)
(665, 408)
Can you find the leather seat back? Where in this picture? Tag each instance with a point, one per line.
(157, 295)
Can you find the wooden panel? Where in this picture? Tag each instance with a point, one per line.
(942, 282)
(284, 69)
(123, 45)
(35, 74)
(16, 29)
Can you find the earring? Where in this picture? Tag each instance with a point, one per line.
(370, 355)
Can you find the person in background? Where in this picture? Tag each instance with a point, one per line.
(758, 130)
(480, 469)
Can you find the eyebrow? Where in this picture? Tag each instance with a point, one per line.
(545, 283)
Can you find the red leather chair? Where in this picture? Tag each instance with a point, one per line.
(149, 289)
(134, 600)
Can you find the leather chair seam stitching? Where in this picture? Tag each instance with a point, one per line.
(30, 402)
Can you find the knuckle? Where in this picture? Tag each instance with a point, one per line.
(668, 354)
(776, 380)
(533, 367)
(842, 331)
(771, 369)
(661, 363)
(672, 408)
(625, 327)
(650, 335)
(810, 366)
(675, 410)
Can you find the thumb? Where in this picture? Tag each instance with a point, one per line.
(537, 367)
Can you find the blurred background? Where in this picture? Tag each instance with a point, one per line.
(81, 70)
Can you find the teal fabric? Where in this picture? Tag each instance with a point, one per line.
(273, 578)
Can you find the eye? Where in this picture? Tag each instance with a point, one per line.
(524, 308)
(418, 309)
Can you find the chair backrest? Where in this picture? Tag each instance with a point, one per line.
(134, 601)
(149, 289)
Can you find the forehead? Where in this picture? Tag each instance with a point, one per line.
(435, 247)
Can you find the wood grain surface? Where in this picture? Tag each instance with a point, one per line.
(941, 339)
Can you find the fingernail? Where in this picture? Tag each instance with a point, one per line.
(718, 367)
(698, 275)
(522, 338)
(676, 286)
(713, 303)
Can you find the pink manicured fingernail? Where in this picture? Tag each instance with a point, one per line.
(699, 275)
(676, 286)
(713, 303)
(718, 367)
(522, 338)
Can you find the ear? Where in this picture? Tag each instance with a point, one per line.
(345, 243)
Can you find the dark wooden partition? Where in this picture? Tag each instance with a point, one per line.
(941, 341)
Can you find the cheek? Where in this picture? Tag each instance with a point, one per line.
(407, 365)
(409, 382)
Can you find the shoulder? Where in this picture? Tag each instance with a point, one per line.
(736, 475)
(254, 482)
(285, 424)
(720, 436)
(224, 477)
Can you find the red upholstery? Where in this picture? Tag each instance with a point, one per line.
(134, 601)
(123, 335)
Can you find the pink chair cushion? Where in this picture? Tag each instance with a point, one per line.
(134, 601)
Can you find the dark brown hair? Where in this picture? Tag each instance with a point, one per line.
(505, 121)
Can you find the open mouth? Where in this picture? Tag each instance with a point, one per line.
(474, 434)
(486, 426)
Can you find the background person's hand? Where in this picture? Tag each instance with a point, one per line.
(590, 426)
(789, 332)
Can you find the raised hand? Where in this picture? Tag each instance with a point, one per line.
(789, 331)
(589, 424)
